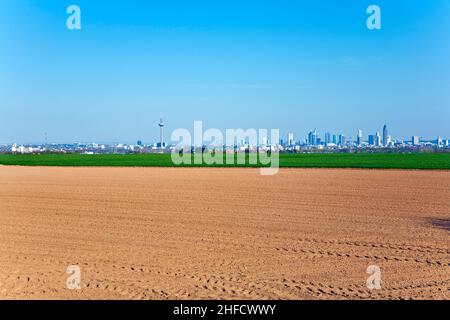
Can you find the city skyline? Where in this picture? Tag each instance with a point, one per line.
(312, 138)
(154, 135)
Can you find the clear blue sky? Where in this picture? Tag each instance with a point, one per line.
(292, 65)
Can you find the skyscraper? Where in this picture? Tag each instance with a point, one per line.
(312, 138)
(335, 139)
(342, 140)
(377, 139)
(415, 140)
(290, 139)
(385, 136)
(371, 140)
(327, 138)
(359, 138)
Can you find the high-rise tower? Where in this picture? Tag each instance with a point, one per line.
(312, 138)
(161, 130)
(385, 136)
(327, 138)
(290, 139)
(378, 139)
(359, 138)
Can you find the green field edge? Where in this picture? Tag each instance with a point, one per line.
(410, 161)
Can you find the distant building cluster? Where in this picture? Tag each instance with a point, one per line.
(375, 141)
(84, 148)
(330, 142)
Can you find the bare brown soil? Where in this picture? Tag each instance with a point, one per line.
(197, 233)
